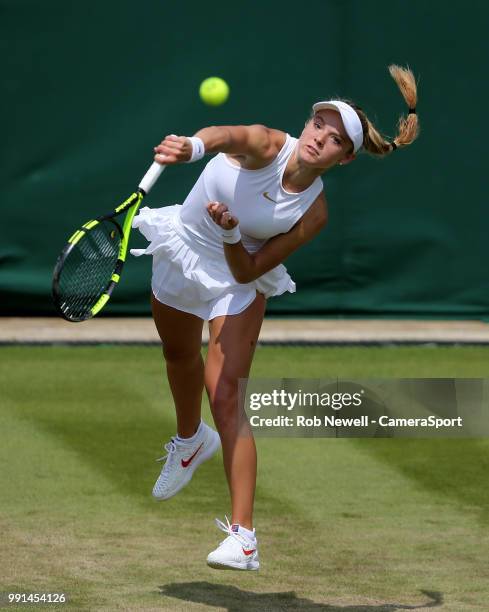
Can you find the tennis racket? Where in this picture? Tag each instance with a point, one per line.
(90, 265)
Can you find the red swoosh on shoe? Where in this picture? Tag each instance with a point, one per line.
(248, 552)
(186, 462)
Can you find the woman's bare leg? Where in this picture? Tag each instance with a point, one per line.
(181, 335)
(232, 344)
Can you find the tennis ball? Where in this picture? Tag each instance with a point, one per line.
(214, 91)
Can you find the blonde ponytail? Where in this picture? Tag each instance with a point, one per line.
(408, 126)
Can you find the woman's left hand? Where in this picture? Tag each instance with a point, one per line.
(221, 215)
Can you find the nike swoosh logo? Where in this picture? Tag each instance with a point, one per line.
(248, 552)
(265, 195)
(186, 462)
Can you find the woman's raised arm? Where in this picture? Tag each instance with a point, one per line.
(256, 141)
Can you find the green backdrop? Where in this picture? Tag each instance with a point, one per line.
(89, 88)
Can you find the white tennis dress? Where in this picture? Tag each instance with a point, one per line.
(190, 271)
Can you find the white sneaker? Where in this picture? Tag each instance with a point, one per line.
(183, 459)
(236, 552)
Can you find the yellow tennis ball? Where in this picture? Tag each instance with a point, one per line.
(214, 91)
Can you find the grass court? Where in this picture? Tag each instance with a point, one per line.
(343, 524)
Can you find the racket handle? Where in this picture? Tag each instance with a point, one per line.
(151, 176)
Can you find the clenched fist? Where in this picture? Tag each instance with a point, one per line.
(221, 215)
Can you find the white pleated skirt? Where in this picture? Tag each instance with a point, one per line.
(195, 279)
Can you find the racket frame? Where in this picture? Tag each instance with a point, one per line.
(130, 205)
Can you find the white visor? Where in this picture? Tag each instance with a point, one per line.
(351, 121)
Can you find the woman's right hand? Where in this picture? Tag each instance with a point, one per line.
(173, 150)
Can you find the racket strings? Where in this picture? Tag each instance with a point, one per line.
(88, 269)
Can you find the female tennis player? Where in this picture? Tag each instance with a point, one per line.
(218, 258)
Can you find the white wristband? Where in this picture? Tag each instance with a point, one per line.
(198, 148)
(231, 236)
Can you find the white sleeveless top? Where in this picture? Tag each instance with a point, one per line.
(190, 270)
(256, 197)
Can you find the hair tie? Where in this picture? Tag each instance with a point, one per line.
(412, 111)
(393, 145)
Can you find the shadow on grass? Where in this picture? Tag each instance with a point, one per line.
(234, 599)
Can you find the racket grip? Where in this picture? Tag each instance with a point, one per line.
(151, 176)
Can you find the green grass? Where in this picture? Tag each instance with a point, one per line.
(344, 524)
